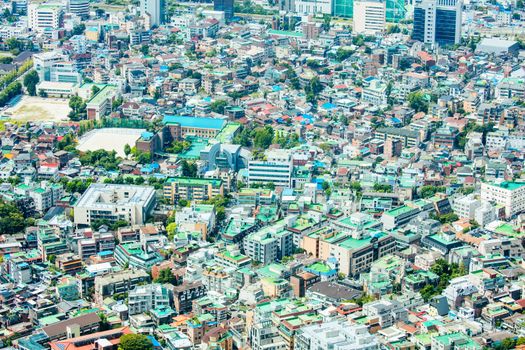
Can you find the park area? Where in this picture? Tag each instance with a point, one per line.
(109, 139)
(33, 108)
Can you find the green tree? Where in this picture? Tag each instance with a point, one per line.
(166, 276)
(171, 229)
(218, 106)
(135, 342)
(11, 219)
(262, 137)
(189, 169)
(78, 108)
(418, 101)
(127, 149)
(94, 90)
(31, 79)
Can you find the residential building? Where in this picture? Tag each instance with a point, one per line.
(437, 21)
(130, 203)
(509, 194)
(369, 17)
(336, 335)
(156, 9)
(147, 297)
(269, 244)
(177, 188)
(118, 282)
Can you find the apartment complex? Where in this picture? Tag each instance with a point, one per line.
(147, 297)
(118, 282)
(354, 250)
(511, 195)
(269, 244)
(369, 16)
(44, 17)
(437, 21)
(276, 169)
(187, 188)
(112, 203)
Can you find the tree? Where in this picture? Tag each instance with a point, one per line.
(418, 101)
(189, 169)
(11, 218)
(78, 108)
(135, 342)
(262, 137)
(78, 29)
(52, 258)
(145, 50)
(94, 90)
(31, 79)
(166, 276)
(171, 228)
(127, 150)
(427, 292)
(218, 106)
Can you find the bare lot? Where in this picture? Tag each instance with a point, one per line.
(110, 139)
(33, 108)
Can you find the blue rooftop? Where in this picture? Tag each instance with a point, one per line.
(146, 135)
(194, 122)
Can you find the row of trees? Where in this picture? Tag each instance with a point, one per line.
(11, 87)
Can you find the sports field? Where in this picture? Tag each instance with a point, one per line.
(33, 108)
(110, 139)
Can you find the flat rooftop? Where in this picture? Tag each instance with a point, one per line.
(195, 122)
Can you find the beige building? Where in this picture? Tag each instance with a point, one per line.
(369, 16)
(111, 202)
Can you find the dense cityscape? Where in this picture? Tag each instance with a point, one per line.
(265, 175)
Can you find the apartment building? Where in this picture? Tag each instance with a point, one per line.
(354, 254)
(118, 282)
(187, 188)
(369, 16)
(509, 194)
(112, 203)
(269, 244)
(147, 297)
(44, 17)
(336, 335)
(276, 169)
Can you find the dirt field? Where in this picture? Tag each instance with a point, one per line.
(32, 108)
(110, 139)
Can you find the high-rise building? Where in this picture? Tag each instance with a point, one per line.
(344, 8)
(224, 5)
(44, 17)
(156, 9)
(437, 21)
(395, 9)
(369, 16)
(79, 8)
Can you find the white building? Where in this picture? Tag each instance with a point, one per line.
(147, 297)
(509, 194)
(44, 17)
(43, 62)
(79, 8)
(269, 244)
(312, 7)
(375, 93)
(335, 335)
(369, 16)
(466, 206)
(277, 169)
(111, 202)
(155, 9)
(507, 247)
